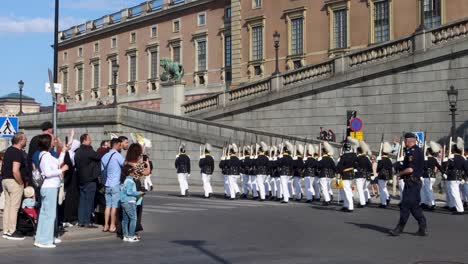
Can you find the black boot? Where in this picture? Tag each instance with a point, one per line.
(397, 231)
(422, 231)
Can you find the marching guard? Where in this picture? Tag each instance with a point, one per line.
(456, 169)
(182, 164)
(245, 171)
(346, 167)
(363, 174)
(234, 165)
(261, 168)
(310, 168)
(429, 176)
(206, 165)
(384, 171)
(298, 168)
(285, 165)
(327, 169)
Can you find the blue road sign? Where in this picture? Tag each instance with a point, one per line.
(8, 126)
(356, 124)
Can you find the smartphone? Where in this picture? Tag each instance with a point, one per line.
(66, 140)
(145, 158)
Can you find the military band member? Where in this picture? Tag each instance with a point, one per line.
(456, 168)
(234, 165)
(261, 168)
(285, 164)
(346, 167)
(363, 174)
(182, 164)
(385, 172)
(206, 165)
(272, 168)
(310, 168)
(276, 168)
(251, 171)
(464, 185)
(327, 169)
(429, 176)
(316, 182)
(412, 170)
(298, 168)
(245, 170)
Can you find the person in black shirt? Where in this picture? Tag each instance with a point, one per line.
(261, 167)
(246, 164)
(13, 176)
(327, 170)
(206, 165)
(234, 165)
(456, 168)
(385, 172)
(298, 167)
(346, 167)
(429, 176)
(310, 167)
(285, 164)
(182, 164)
(363, 174)
(412, 171)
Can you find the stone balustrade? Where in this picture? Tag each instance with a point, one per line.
(452, 31)
(252, 89)
(381, 52)
(201, 104)
(308, 73)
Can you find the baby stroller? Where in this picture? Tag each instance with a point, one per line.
(25, 224)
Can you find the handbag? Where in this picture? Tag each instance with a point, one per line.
(104, 171)
(37, 178)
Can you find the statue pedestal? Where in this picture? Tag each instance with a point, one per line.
(173, 96)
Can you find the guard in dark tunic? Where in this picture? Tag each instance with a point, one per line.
(413, 167)
(363, 174)
(429, 176)
(182, 164)
(327, 170)
(246, 164)
(385, 173)
(298, 173)
(206, 165)
(223, 165)
(275, 177)
(285, 164)
(234, 169)
(346, 167)
(456, 169)
(310, 168)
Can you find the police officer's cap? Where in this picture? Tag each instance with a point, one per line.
(410, 135)
(46, 125)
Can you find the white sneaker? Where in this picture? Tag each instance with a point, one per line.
(133, 239)
(44, 246)
(126, 239)
(6, 235)
(57, 240)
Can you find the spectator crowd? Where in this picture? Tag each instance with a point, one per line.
(57, 185)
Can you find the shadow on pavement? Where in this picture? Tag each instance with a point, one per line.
(198, 244)
(380, 229)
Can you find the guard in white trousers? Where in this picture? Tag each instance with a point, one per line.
(316, 181)
(456, 169)
(364, 172)
(429, 176)
(298, 171)
(327, 170)
(234, 165)
(245, 171)
(206, 165)
(285, 164)
(261, 168)
(385, 172)
(310, 167)
(346, 167)
(182, 164)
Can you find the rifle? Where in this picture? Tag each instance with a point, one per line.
(401, 152)
(381, 147)
(450, 155)
(425, 145)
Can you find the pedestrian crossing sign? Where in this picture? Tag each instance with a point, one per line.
(8, 126)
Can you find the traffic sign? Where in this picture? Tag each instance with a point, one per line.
(8, 126)
(356, 124)
(357, 135)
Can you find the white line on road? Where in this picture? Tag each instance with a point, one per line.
(208, 206)
(171, 207)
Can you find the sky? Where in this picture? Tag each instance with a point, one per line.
(26, 36)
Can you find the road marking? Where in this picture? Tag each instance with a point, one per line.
(208, 206)
(171, 207)
(158, 210)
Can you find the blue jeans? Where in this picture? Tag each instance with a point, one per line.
(85, 209)
(46, 222)
(129, 219)
(113, 196)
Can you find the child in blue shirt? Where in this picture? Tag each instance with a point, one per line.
(128, 198)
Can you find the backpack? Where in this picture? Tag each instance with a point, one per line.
(37, 178)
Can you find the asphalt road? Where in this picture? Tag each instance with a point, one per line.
(195, 230)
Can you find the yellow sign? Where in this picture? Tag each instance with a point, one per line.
(358, 135)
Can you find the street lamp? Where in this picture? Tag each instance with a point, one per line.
(276, 39)
(115, 69)
(20, 86)
(452, 94)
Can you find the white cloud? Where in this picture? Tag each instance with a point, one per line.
(34, 25)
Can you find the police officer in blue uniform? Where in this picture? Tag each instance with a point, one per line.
(412, 171)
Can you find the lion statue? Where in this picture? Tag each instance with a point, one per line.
(173, 71)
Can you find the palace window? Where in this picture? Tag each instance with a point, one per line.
(432, 13)
(340, 32)
(257, 43)
(381, 21)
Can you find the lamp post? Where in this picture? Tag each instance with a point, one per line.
(115, 69)
(276, 39)
(452, 94)
(20, 86)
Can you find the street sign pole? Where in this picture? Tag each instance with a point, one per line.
(54, 102)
